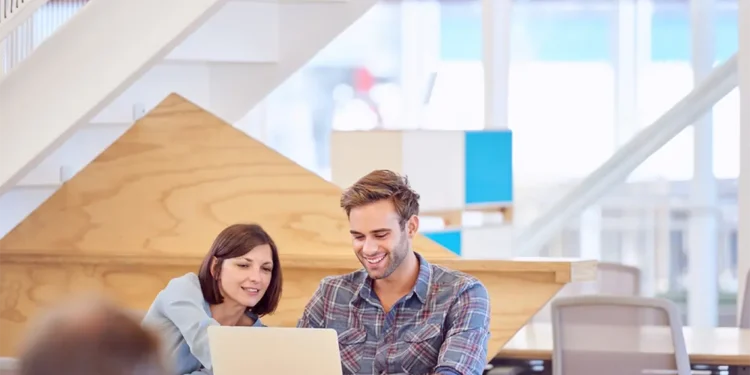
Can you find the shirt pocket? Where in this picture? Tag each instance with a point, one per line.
(351, 346)
(420, 348)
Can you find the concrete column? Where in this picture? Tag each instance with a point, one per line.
(743, 189)
(496, 28)
(420, 55)
(625, 69)
(703, 253)
(625, 64)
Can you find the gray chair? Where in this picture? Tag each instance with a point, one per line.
(618, 279)
(617, 335)
(612, 279)
(745, 313)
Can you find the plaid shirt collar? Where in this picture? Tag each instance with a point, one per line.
(422, 286)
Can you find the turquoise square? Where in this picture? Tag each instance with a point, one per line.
(489, 166)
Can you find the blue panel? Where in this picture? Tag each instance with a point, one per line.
(461, 31)
(583, 35)
(451, 239)
(489, 166)
(670, 34)
(578, 35)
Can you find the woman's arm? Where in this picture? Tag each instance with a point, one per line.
(183, 304)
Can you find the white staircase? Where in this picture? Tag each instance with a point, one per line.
(116, 59)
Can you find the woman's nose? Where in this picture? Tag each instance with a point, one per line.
(254, 275)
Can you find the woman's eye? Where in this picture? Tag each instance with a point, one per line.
(267, 269)
(243, 265)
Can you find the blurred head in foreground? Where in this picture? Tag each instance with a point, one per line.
(90, 337)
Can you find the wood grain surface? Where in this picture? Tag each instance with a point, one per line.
(147, 209)
(29, 284)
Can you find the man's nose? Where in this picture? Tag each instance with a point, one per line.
(370, 247)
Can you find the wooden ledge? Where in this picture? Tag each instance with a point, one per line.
(565, 269)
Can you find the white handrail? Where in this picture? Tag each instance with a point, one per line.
(625, 160)
(33, 21)
(15, 12)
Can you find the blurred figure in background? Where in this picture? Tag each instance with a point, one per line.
(90, 337)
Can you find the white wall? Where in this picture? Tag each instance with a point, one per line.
(191, 80)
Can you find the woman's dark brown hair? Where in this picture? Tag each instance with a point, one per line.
(236, 241)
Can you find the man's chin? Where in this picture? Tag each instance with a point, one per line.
(376, 275)
(379, 274)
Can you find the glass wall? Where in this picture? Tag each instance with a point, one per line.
(584, 77)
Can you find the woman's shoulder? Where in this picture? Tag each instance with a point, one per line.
(187, 286)
(188, 280)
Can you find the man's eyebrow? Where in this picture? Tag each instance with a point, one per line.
(379, 230)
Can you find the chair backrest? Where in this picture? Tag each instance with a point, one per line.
(612, 279)
(8, 366)
(745, 313)
(616, 335)
(618, 279)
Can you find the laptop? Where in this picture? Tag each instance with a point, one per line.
(274, 351)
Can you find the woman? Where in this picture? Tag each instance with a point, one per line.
(239, 281)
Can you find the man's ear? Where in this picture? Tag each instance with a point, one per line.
(412, 226)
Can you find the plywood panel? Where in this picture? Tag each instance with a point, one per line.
(173, 181)
(26, 289)
(528, 292)
(28, 284)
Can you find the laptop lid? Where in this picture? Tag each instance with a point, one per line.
(274, 350)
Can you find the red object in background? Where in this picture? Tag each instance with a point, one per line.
(363, 80)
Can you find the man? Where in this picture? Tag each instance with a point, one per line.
(400, 314)
(90, 337)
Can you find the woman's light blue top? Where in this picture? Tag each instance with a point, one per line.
(181, 316)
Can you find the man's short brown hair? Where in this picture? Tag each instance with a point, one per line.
(383, 184)
(235, 241)
(90, 336)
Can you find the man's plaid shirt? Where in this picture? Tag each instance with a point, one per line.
(441, 327)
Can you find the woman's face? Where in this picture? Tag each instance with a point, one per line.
(244, 279)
